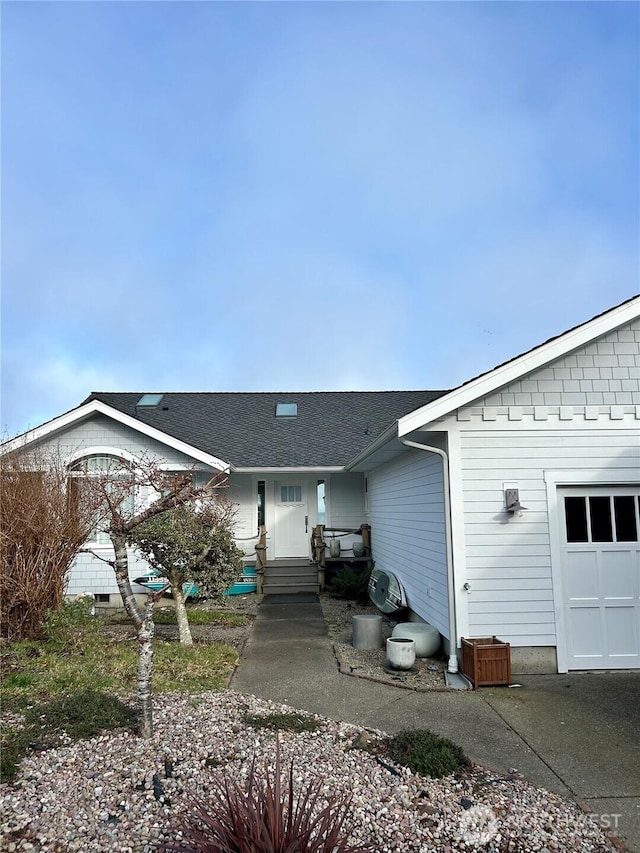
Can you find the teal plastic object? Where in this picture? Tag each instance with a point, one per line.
(242, 587)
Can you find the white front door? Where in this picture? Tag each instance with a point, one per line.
(601, 576)
(293, 526)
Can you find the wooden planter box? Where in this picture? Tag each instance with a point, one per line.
(486, 660)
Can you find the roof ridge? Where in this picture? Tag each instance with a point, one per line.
(271, 393)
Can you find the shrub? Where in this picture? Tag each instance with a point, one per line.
(79, 716)
(63, 624)
(46, 519)
(265, 816)
(291, 722)
(351, 584)
(426, 753)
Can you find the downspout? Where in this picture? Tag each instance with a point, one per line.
(453, 637)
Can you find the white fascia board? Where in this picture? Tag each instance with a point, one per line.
(308, 469)
(520, 366)
(96, 407)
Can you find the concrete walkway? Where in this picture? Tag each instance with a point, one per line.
(577, 735)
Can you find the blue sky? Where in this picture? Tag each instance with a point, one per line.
(307, 196)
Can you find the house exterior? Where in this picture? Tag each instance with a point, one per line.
(284, 454)
(559, 580)
(555, 433)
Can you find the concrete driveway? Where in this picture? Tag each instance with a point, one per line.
(586, 728)
(577, 735)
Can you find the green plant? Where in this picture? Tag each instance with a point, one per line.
(292, 722)
(79, 716)
(265, 816)
(190, 544)
(426, 753)
(167, 616)
(71, 617)
(352, 584)
(90, 660)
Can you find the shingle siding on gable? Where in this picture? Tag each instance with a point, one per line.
(606, 372)
(101, 431)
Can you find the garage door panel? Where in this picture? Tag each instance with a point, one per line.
(585, 631)
(600, 576)
(622, 631)
(618, 577)
(581, 575)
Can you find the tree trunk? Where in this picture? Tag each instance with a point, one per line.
(145, 670)
(184, 630)
(146, 629)
(121, 568)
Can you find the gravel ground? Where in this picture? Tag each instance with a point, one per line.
(119, 793)
(427, 674)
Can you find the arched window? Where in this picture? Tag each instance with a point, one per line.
(116, 476)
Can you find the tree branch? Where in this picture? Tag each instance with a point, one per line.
(111, 563)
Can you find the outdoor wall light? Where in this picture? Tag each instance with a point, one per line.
(512, 502)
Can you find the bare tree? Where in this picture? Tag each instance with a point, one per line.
(118, 489)
(192, 544)
(44, 524)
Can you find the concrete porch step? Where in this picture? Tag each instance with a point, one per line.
(290, 576)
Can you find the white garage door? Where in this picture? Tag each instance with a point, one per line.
(601, 577)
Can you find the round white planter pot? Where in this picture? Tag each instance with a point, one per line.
(401, 653)
(427, 638)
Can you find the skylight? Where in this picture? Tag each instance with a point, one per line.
(286, 410)
(149, 400)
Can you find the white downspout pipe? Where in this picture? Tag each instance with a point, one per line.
(453, 638)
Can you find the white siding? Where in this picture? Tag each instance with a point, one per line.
(88, 573)
(406, 510)
(509, 559)
(243, 492)
(346, 501)
(578, 414)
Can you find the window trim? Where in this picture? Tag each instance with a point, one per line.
(99, 538)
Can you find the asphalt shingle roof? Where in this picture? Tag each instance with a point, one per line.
(330, 429)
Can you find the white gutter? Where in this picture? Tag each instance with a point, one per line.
(453, 637)
(288, 469)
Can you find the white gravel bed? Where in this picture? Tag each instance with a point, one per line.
(98, 795)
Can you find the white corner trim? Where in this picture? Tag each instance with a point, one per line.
(97, 407)
(556, 572)
(529, 361)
